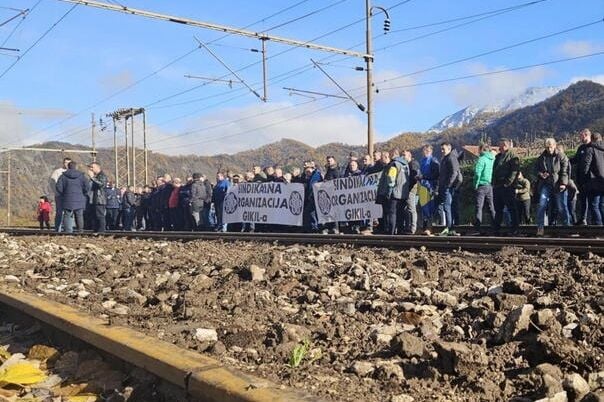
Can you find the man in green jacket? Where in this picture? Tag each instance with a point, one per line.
(483, 175)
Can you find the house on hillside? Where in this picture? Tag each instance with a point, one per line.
(471, 154)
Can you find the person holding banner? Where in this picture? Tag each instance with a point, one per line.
(393, 188)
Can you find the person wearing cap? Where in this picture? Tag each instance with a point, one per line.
(98, 198)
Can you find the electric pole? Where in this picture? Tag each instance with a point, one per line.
(369, 70)
(92, 133)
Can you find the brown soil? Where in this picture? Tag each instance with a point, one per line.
(369, 324)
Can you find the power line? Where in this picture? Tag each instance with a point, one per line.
(517, 44)
(464, 77)
(38, 41)
(463, 24)
(306, 15)
(260, 128)
(154, 73)
(512, 8)
(19, 23)
(400, 3)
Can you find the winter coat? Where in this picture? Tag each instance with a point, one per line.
(413, 173)
(184, 195)
(394, 182)
(173, 201)
(523, 187)
(73, 187)
(220, 190)
(199, 195)
(505, 168)
(113, 200)
(449, 174)
(331, 173)
(579, 160)
(54, 178)
(98, 183)
(594, 166)
(164, 195)
(483, 170)
(315, 177)
(44, 206)
(429, 169)
(128, 200)
(260, 177)
(352, 173)
(556, 165)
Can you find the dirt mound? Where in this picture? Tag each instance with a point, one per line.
(344, 323)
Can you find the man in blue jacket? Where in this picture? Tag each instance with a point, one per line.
(218, 195)
(73, 187)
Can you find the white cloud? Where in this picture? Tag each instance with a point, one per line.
(116, 81)
(595, 78)
(339, 124)
(18, 123)
(492, 89)
(576, 48)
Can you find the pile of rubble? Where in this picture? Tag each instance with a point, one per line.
(387, 325)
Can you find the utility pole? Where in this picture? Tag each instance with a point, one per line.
(369, 70)
(92, 133)
(8, 191)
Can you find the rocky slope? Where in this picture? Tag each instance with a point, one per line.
(346, 324)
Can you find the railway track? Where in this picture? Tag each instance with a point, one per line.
(202, 378)
(470, 243)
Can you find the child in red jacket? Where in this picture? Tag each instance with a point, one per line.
(44, 212)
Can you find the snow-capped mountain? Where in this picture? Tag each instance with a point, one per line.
(466, 115)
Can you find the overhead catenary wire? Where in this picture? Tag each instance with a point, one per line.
(497, 50)
(156, 72)
(53, 26)
(12, 32)
(487, 73)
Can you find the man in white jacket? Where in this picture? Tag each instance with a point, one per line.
(54, 177)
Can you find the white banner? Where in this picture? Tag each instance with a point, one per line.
(347, 199)
(272, 203)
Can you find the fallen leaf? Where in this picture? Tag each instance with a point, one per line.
(21, 373)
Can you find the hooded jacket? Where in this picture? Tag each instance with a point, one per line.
(72, 187)
(483, 170)
(579, 160)
(394, 182)
(594, 166)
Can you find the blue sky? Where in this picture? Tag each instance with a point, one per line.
(93, 53)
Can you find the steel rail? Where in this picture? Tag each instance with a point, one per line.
(202, 377)
(470, 243)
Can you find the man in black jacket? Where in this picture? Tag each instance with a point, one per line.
(594, 167)
(448, 182)
(332, 171)
(505, 173)
(98, 199)
(410, 207)
(582, 181)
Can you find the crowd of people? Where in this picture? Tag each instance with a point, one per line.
(414, 194)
